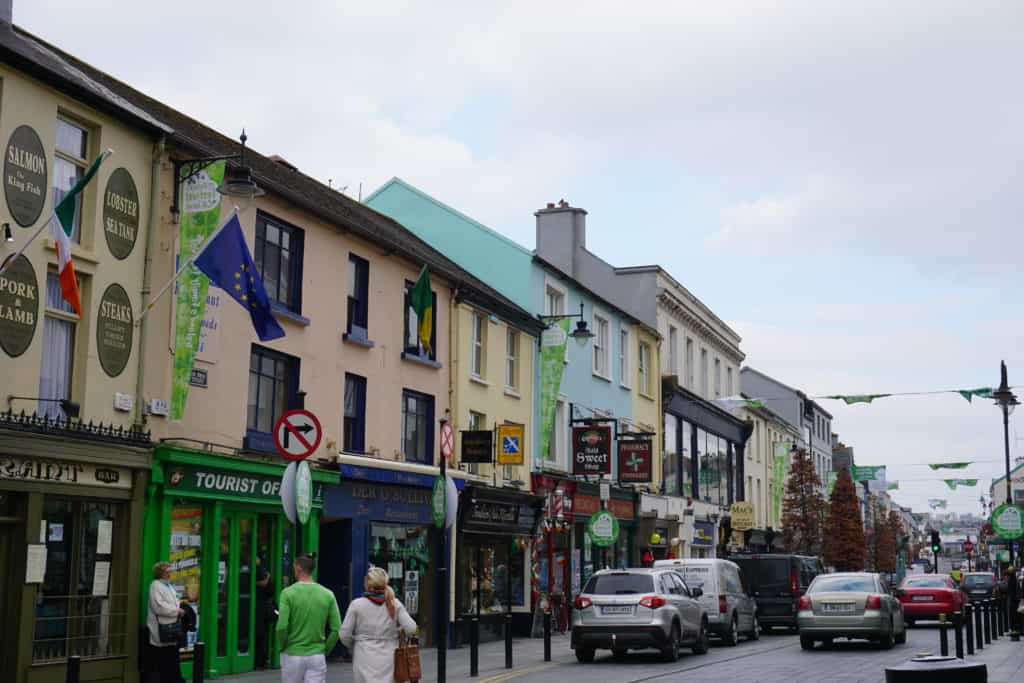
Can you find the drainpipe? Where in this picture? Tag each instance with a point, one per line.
(151, 221)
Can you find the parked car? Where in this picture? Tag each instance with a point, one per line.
(726, 597)
(636, 609)
(777, 580)
(850, 605)
(979, 585)
(926, 596)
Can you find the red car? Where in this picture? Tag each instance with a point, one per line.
(926, 596)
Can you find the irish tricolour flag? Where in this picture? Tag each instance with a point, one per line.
(60, 231)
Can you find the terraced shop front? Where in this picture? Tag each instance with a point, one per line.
(217, 518)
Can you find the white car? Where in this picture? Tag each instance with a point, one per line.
(731, 609)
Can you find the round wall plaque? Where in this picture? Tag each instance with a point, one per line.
(115, 325)
(25, 182)
(19, 306)
(121, 213)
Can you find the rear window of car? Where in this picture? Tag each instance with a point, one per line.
(925, 582)
(843, 584)
(619, 584)
(984, 580)
(770, 574)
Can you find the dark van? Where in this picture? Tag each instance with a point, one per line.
(777, 580)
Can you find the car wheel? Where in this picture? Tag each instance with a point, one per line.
(584, 654)
(701, 646)
(671, 651)
(806, 643)
(901, 639)
(732, 638)
(619, 652)
(755, 632)
(886, 641)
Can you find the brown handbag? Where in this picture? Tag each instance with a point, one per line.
(407, 659)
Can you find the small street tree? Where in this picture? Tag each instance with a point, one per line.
(844, 544)
(803, 507)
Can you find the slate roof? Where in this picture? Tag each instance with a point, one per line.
(112, 96)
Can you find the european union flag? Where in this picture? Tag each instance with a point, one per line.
(227, 262)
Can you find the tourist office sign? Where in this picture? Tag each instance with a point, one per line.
(220, 483)
(592, 449)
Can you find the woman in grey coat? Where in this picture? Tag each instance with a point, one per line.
(370, 629)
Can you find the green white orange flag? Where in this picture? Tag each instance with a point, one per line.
(60, 231)
(421, 300)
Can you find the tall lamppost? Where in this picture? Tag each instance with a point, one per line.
(1007, 401)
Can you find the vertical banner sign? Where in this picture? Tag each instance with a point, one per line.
(635, 461)
(552, 363)
(779, 464)
(592, 449)
(200, 215)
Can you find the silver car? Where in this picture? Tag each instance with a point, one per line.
(636, 609)
(850, 605)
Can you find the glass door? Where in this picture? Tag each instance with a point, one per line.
(236, 577)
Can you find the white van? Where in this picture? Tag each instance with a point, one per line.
(726, 596)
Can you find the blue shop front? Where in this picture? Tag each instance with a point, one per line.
(383, 517)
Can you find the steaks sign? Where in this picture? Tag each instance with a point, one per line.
(592, 449)
(635, 461)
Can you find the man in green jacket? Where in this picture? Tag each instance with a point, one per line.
(306, 609)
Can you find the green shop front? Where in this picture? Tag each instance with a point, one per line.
(218, 520)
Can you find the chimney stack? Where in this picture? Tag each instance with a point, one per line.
(7, 11)
(561, 232)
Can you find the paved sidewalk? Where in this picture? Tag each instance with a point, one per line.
(527, 657)
(1005, 660)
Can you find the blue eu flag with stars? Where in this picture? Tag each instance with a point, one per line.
(227, 262)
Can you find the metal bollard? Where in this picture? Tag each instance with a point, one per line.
(508, 640)
(943, 636)
(547, 635)
(986, 615)
(978, 630)
(993, 608)
(74, 670)
(199, 662)
(969, 623)
(1001, 606)
(958, 634)
(474, 647)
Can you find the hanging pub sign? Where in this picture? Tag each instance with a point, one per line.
(19, 306)
(635, 461)
(115, 325)
(477, 446)
(121, 213)
(592, 449)
(25, 184)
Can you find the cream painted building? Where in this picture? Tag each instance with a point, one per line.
(770, 437)
(646, 415)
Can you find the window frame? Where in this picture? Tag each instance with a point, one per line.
(79, 162)
(673, 350)
(418, 351)
(512, 345)
(718, 377)
(602, 352)
(357, 313)
(354, 442)
(689, 360)
(625, 353)
(293, 365)
(65, 314)
(428, 422)
(643, 368)
(296, 250)
(704, 370)
(557, 445)
(477, 344)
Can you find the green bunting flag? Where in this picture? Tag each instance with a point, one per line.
(892, 486)
(951, 465)
(953, 483)
(983, 392)
(734, 402)
(860, 398)
(934, 503)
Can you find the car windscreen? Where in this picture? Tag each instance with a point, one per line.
(843, 584)
(925, 582)
(619, 584)
(695, 576)
(979, 580)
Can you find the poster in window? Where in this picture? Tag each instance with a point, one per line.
(35, 564)
(186, 541)
(104, 536)
(101, 579)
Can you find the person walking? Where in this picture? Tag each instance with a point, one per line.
(306, 610)
(264, 610)
(165, 609)
(371, 628)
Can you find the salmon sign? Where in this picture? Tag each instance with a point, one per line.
(592, 449)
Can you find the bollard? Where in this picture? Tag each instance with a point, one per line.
(547, 634)
(969, 623)
(1004, 625)
(978, 630)
(958, 634)
(943, 636)
(199, 662)
(74, 671)
(474, 646)
(993, 609)
(986, 617)
(508, 639)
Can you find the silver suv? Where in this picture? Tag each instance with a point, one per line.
(624, 609)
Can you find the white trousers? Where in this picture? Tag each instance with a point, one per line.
(303, 669)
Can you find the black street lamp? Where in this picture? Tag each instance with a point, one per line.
(581, 334)
(1007, 401)
(237, 182)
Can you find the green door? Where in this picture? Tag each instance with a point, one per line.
(235, 592)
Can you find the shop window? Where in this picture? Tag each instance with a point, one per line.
(491, 583)
(69, 165)
(273, 385)
(686, 446)
(59, 325)
(357, 323)
(354, 429)
(412, 344)
(185, 556)
(279, 260)
(404, 551)
(417, 427)
(81, 605)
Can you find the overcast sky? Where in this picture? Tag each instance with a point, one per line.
(840, 181)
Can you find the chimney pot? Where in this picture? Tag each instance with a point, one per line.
(551, 205)
(562, 204)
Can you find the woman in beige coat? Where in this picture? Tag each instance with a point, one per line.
(164, 608)
(370, 629)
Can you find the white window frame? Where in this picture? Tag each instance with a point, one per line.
(80, 162)
(704, 373)
(644, 368)
(673, 350)
(477, 339)
(559, 435)
(550, 286)
(512, 344)
(602, 351)
(625, 354)
(718, 377)
(728, 381)
(689, 364)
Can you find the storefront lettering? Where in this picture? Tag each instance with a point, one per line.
(388, 494)
(493, 513)
(62, 472)
(236, 484)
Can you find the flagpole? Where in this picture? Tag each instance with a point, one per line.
(53, 214)
(181, 269)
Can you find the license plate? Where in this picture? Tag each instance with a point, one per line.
(922, 598)
(837, 607)
(617, 609)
